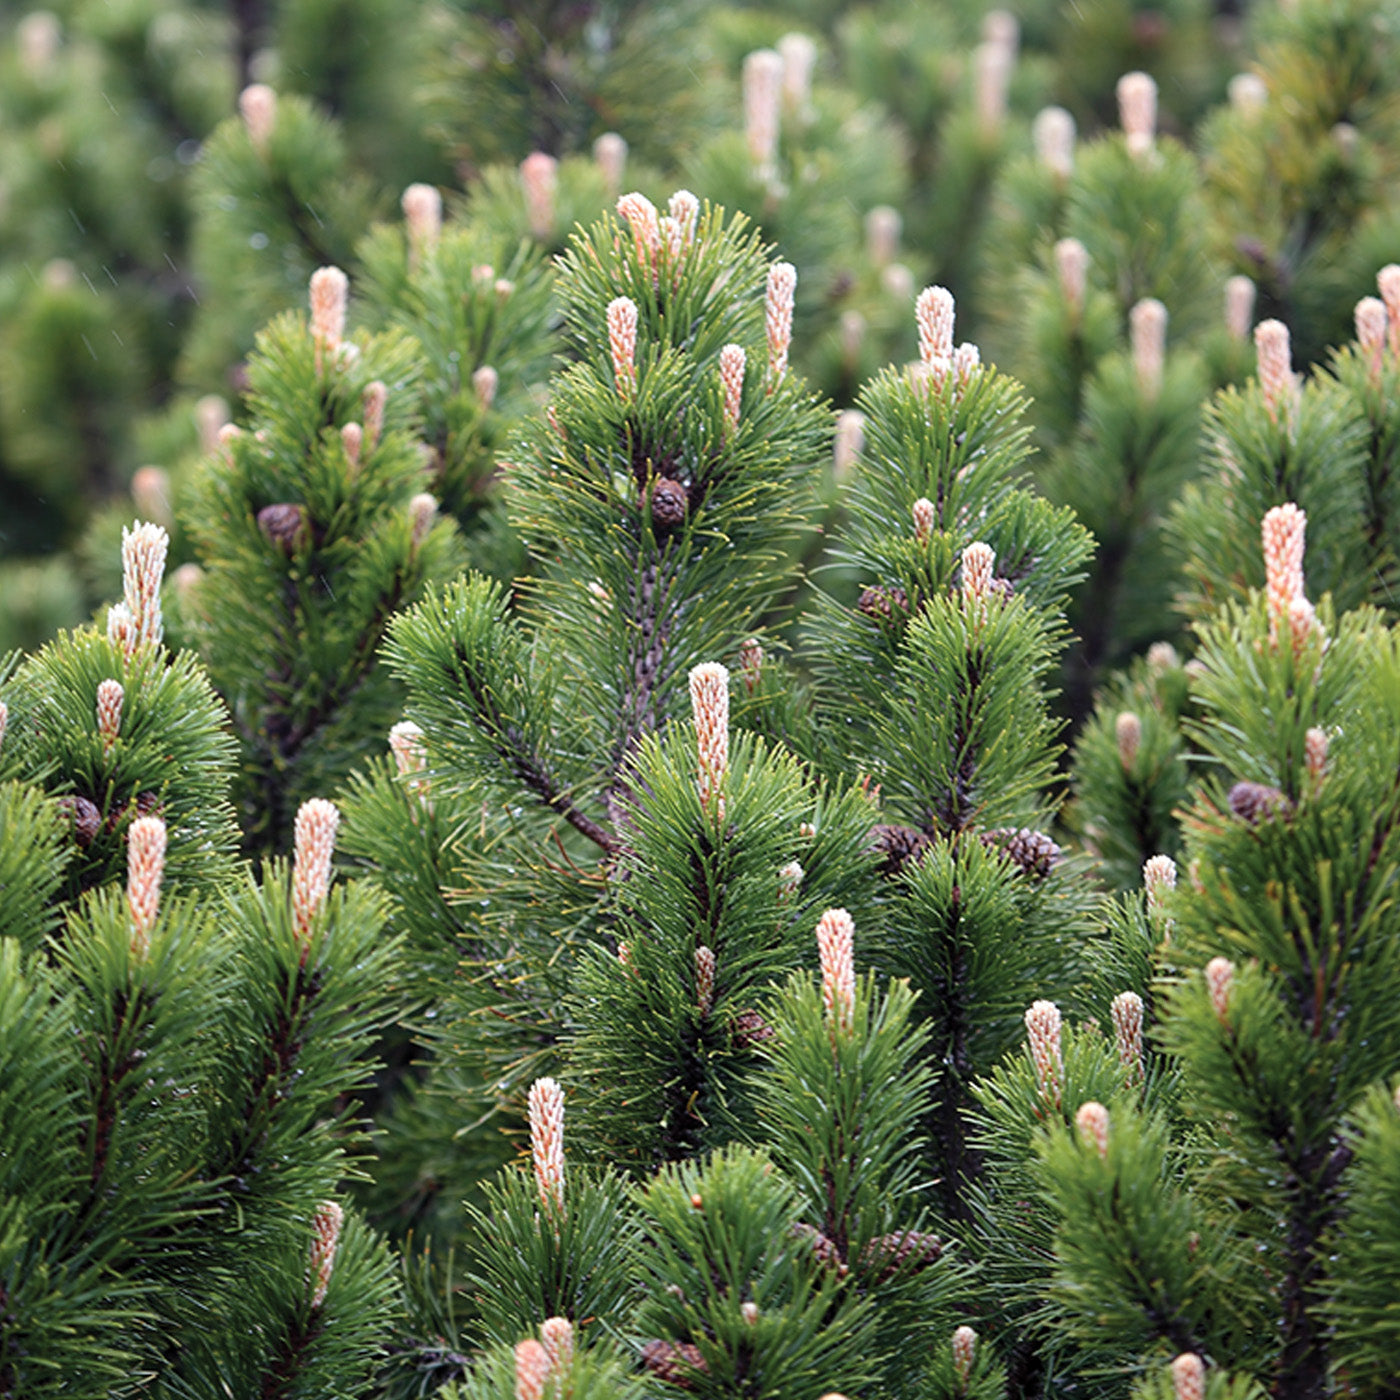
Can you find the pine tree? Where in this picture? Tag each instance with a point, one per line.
(178, 1040)
(310, 536)
(1273, 987)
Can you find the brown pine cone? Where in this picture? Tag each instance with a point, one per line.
(669, 503)
(1257, 802)
(1033, 851)
(906, 1251)
(749, 1029)
(822, 1246)
(284, 525)
(901, 846)
(676, 1362)
(884, 604)
(146, 803)
(86, 819)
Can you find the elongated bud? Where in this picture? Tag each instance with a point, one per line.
(145, 865)
(316, 825)
(531, 1370)
(121, 630)
(751, 663)
(925, 519)
(1072, 266)
(992, 64)
(257, 105)
(763, 86)
(849, 443)
(610, 154)
(964, 1352)
(539, 177)
(1127, 730)
(143, 566)
(1220, 977)
(1003, 28)
(1188, 1377)
(777, 315)
(883, 229)
(38, 37)
(329, 291)
(705, 980)
(1053, 133)
(325, 1241)
(109, 713)
(799, 55)
(790, 879)
(732, 361)
(1239, 307)
(229, 434)
(486, 381)
(749, 1312)
(622, 340)
(967, 360)
(934, 313)
(1315, 751)
(684, 209)
(1302, 622)
(709, 704)
(1092, 1122)
(547, 1142)
(422, 512)
(352, 439)
(422, 213)
(1127, 1033)
(410, 756)
(836, 947)
(1159, 880)
(406, 744)
(1371, 325)
(897, 281)
(150, 494)
(210, 414)
(1388, 284)
(978, 560)
(1248, 93)
(1284, 534)
(1276, 379)
(641, 217)
(1148, 329)
(852, 336)
(1043, 1038)
(557, 1334)
(375, 397)
(1137, 111)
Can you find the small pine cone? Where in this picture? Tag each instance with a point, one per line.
(1033, 851)
(284, 525)
(822, 1246)
(884, 604)
(145, 804)
(1257, 802)
(901, 846)
(750, 1029)
(669, 503)
(86, 819)
(676, 1362)
(904, 1252)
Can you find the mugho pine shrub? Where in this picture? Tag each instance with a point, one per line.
(740, 1010)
